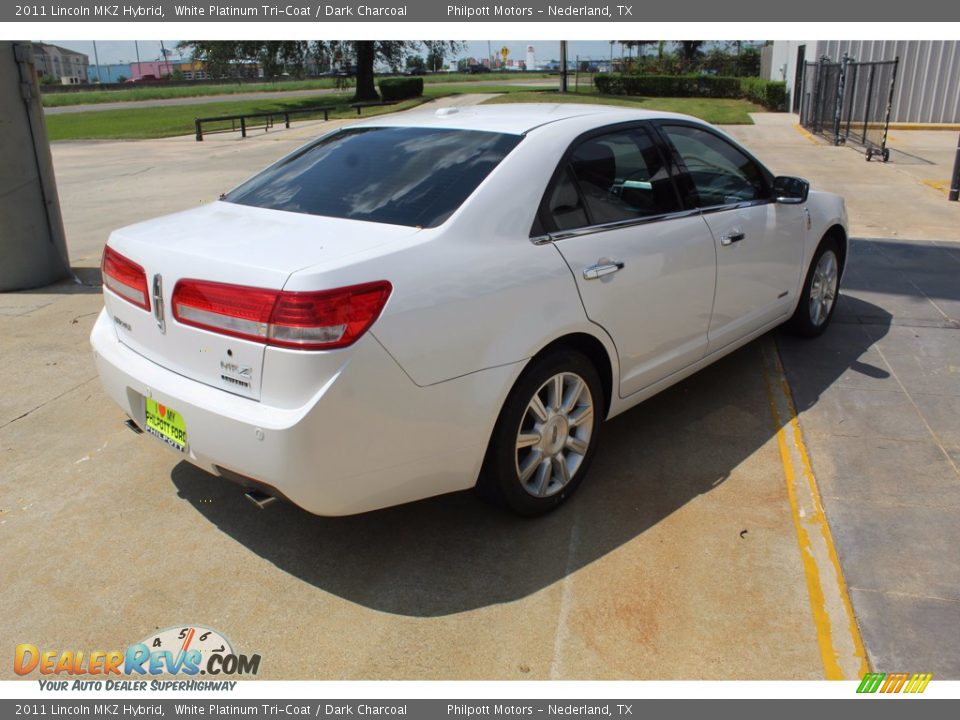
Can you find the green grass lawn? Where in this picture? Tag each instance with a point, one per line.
(133, 92)
(156, 122)
(720, 111)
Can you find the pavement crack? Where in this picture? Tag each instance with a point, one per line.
(858, 502)
(900, 593)
(47, 402)
(77, 318)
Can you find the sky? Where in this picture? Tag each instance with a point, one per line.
(124, 51)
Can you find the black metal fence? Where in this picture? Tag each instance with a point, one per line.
(850, 101)
(246, 122)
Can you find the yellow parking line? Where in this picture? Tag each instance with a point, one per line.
(838, 637)
(803, 131)
(938, 185)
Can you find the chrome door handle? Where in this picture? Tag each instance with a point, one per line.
(731, 238)
(596, 271)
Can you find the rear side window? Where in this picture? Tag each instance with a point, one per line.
(402, 176)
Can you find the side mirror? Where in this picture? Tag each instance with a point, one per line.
(790, 190)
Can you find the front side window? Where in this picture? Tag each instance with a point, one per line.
(720, 173)
(407, 176)
(619, 176)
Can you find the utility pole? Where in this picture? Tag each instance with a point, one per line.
(96, 59)
(955, 181)
(163, 54)
(563, 66)
(136, 46)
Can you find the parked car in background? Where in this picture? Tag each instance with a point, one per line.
(429, 302)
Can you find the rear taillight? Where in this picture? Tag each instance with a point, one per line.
(305, 320)
(125, 278)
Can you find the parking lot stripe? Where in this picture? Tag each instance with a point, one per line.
(838, 637)
(806, 133)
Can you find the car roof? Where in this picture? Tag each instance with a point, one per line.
(515, 118)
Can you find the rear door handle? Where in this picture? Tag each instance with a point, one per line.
(731, 238)
(599, 270)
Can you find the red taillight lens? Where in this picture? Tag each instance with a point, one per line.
(305, 320)
(125, 278)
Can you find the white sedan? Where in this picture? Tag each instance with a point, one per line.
(431, 302)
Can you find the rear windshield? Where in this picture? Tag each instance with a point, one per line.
(398, 175)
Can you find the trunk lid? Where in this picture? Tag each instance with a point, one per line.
(226, 243)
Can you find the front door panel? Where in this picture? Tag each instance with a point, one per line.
(759, 251)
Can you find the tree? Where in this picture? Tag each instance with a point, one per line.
(415, 63)
(225, 57)
(629, 45)
(689, 50)
(366, 53)
(641, 44)
(436, 54)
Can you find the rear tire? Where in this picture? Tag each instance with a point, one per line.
(546, 435)
(821, 289)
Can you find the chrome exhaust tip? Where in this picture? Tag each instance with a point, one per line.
(133, 426)
(260, 499)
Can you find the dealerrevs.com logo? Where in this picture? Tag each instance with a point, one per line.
(190, 650)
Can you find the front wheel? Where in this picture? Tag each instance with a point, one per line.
(546, 435)
(818, 300)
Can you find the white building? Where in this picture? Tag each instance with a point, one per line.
(531, 58)
(63, 65)
(928, 76)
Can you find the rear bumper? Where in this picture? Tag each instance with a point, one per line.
(369, 438)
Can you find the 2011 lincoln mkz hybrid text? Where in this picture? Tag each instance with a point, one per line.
(429, 302)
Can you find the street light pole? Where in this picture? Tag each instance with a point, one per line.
(136, 47)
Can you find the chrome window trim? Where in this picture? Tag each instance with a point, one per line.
(617, 225)
(737, 206)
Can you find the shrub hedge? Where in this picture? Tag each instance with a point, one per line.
(401, 88)
(770, 94)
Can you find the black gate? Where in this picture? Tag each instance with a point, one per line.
(821, 94)
(848, 100)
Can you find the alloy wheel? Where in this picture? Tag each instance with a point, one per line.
(823, 288)
(554, 434)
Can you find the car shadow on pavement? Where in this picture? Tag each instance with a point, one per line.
(455, 553)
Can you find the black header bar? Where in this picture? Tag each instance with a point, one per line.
(171, 11)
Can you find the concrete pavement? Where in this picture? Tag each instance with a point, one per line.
(883, 433)
(884, 438)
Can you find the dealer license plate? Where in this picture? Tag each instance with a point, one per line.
(167, 424)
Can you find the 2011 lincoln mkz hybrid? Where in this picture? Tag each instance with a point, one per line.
(434, 301)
